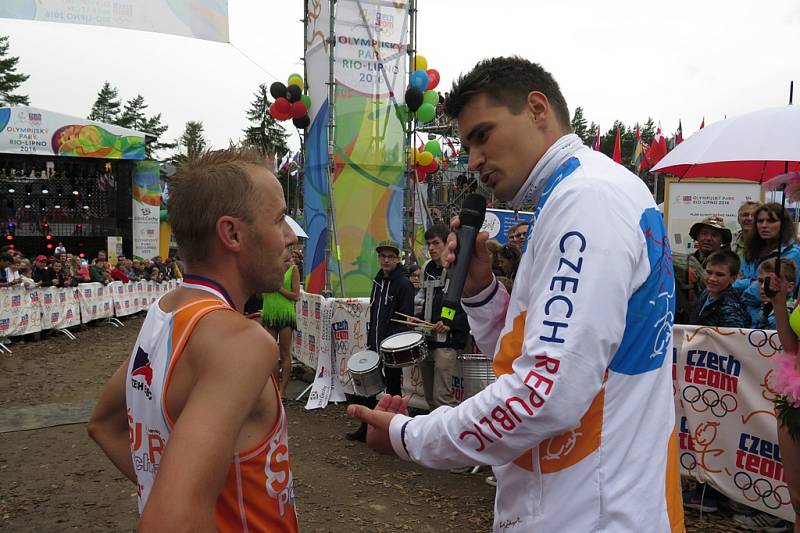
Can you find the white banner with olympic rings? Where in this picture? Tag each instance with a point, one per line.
(725, 417)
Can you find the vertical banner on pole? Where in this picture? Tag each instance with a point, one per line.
(369, 138)
(315, 183)
(146, 207)
(114, 247)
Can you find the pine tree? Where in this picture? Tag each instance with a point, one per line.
(648, 130)
(10, 79)
(133, 113)
(265, 134)
(580, 127)
(154, 127)
(107, 105)
(191, 143)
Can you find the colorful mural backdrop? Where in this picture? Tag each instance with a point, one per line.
(93, 141)
(203, 19)
(315, 183)
(146, 207)
(29, 130)
(368, 166)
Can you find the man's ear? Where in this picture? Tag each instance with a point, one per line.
(538, 106)
(229, 231)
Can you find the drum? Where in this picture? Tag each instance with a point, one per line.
(365, 371)
(404, 349)
(476, 373)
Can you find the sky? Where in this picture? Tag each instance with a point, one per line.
(624, 60)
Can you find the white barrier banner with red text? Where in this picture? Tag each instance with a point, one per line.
(349, 331)
(20, 311)
(60, 307)
(725, 417)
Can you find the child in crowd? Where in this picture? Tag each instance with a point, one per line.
(766, 316)
(25, 277)
(719, 304)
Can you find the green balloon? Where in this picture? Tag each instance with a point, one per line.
(430, 97)
(434, 147)
(426, 112)
(306, 100)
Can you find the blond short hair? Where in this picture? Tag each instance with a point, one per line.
(213, 185)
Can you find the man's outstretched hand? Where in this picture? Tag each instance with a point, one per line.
(378, 420)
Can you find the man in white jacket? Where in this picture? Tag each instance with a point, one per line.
(579, 426)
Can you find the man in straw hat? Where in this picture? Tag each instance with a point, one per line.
(711, 235)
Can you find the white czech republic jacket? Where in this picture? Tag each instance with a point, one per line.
(580, 425)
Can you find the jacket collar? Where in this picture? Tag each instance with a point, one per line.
(561, 150)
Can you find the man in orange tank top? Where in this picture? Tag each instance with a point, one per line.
(193, 417)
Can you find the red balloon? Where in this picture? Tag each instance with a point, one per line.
(283, 106)
(298, 109)
(420, 175)
(276, 113)
(433, 79)
(433, 167)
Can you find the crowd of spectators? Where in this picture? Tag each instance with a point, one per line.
(68, 270)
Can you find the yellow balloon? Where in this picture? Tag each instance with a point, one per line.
(420, 63)
(296, 79)
(425, 159)
(414, 156)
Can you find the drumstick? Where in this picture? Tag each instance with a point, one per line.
(415, 319)
(415, 324)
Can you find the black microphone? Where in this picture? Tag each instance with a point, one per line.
(473, 211)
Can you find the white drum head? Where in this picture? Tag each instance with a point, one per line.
(361, 362)
(403, 340)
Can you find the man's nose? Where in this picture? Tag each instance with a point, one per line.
(476, 160)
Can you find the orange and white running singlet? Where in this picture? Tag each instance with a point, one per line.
(258, 494)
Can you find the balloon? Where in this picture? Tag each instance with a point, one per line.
(430, 97)
(426, 112)
(277, 90)
(280, 109)
(414, 156)
(306, 100)
(433, 147)
(419, 79)
(302, 122)
(413, 98)
(420, 175)
(402, 113)
(420, 63)
(296, 79)
(433, 78)
(433, 167)
(293, 93)
(424, 159)
(298, 110)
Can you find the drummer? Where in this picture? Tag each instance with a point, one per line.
(445, 343)
(392, 292)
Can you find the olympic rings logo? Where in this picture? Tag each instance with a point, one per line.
(763, 490)
(719, 406)
(688, 461)
(758, 338)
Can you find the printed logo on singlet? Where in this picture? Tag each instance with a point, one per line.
(141, 368)
(279, 483)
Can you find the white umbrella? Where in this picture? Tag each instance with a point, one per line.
(756, 146)
(296, 227)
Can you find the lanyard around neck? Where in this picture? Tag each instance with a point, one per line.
(192, 281)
